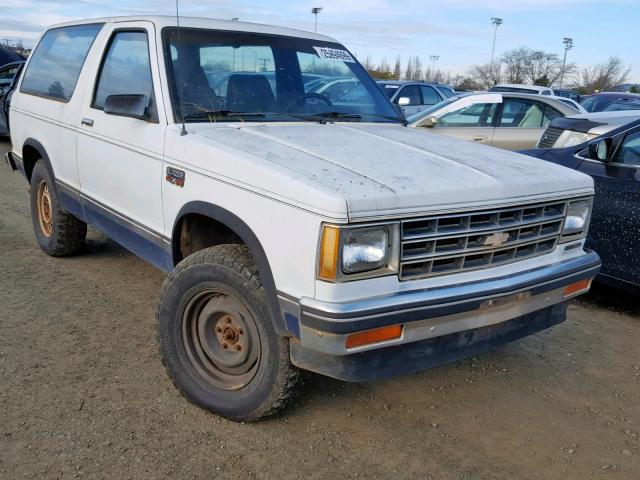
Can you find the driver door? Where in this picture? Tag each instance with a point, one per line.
(120, 157)
(616, 210)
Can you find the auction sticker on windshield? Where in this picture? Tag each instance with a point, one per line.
(334, 54)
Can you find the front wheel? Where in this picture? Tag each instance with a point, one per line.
(216, 338)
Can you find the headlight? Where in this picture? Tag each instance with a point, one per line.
(364, 250)
(574, 138)
(576, 222)
(350, 253)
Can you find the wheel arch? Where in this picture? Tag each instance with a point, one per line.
(236, 225)
(32, 151)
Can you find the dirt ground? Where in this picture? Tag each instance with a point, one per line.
(83, 394)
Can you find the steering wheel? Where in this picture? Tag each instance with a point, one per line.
(302, 99)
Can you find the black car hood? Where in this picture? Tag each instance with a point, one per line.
(582, 125)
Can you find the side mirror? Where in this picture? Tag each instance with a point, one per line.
(130, 105)
(430, 121)
(600, 149)
(404, 101)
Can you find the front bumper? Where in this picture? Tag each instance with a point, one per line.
(438, 325)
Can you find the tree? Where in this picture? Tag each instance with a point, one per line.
(604, 76)
(634, 89)
(397, 68)
(417, 69)
(408, 74)
(485, 75)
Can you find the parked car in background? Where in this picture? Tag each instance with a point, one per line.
(9, 56)
(573, 95)
(8, 76)
(507, 120)
(609, 101)
(521, 88)
(413, 97)
(613, 160)
(577, 129)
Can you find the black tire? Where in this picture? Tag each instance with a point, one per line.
(213, 297)
(57, 232)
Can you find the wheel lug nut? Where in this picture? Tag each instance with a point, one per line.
(228, 320)
(238, 347)
(219, 329)
(225, 346)
(240, 331)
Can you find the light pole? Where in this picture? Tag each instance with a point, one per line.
(497, 22)
(434, 59)
(316, 11)
(568, 45)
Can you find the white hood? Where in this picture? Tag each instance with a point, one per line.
(388, 170)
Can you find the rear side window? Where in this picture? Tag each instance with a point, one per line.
(57, 61)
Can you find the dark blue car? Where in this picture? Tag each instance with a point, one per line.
(613, 160)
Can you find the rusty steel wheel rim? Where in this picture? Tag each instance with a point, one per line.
(45, 213)
(221, 338)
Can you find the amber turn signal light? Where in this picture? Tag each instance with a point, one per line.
(374, 336)
(578, 287)
(329, 253)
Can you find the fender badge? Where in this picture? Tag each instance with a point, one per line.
(175, 176)
(496, 239)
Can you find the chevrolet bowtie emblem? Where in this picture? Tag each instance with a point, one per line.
(496, 239)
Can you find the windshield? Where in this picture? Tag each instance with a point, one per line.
(622, 104)
(232, 76)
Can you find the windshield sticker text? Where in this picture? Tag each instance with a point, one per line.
(334, 54)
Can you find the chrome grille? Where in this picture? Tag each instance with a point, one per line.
(445, 244)
(549, 137)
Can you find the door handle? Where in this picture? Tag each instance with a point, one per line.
(479, 139)
(87, 121)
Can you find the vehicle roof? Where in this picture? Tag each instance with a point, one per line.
(617, 95)
(162, 21)
(551, 100)
(523, 85)
(406, 82)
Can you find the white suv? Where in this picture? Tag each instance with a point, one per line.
(298, 230)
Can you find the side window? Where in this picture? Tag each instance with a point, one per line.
(477, 115)
(549, 114)
(125, 70)
(56, 63)
(412, 92)
(629, 151)
(429, 95)
(521, 114)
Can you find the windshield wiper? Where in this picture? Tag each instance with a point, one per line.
(212, 115)
(322, 117)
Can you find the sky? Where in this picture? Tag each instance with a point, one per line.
(458, 31)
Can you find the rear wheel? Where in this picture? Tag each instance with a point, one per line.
(216, 338)
(57, 232)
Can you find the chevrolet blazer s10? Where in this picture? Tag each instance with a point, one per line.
(301, 230)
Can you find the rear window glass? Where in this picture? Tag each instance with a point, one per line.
(57, 61)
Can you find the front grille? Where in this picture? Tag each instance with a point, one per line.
(549, 137)
(445, 244)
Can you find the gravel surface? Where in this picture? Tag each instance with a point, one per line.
(83, 393)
